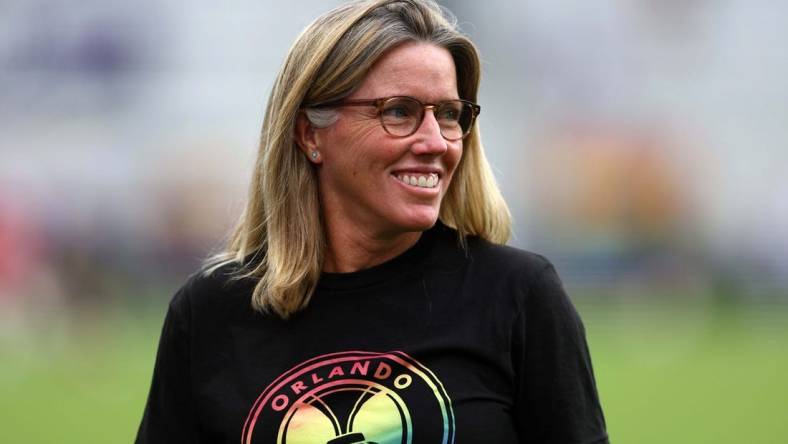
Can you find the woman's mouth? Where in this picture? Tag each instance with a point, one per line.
(419, 180)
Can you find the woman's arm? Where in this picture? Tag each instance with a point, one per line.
(557, 399)
(169, 414)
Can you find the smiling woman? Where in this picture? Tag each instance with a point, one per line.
(365, 294)
(370, 213)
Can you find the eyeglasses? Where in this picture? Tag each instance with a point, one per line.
(402, 116)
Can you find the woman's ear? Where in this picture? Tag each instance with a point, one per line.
(306, 138)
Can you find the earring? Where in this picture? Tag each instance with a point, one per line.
(314, 155)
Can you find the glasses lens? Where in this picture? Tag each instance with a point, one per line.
(401, 116)
(454, 118)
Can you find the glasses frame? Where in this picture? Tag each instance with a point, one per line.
(380, 103)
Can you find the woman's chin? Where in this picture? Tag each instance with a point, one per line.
(420, 219)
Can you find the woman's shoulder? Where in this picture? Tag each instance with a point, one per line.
(492, 265)
(495, 258)
(530, 277)
(501, 276)
(211, 288)
(506, 257)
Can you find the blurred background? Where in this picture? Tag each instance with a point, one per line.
(641, 146)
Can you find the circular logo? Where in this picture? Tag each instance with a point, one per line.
(353, 398)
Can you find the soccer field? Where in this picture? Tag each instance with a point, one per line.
(665, 375)
(670, 375)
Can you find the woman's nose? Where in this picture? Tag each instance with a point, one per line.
(429, 137)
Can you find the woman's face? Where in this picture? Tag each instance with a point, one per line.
(363, 168)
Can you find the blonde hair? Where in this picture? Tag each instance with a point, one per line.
(281, 223)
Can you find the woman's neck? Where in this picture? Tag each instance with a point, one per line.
(350, 249)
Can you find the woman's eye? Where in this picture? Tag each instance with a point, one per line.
(449, 114)
(400, 112)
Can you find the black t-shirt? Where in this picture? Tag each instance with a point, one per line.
(438, 345)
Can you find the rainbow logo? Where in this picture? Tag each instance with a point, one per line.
(353, 398)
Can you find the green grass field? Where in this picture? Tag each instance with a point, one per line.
(665, 375)
(669, 375)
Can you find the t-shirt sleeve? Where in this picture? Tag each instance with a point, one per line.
(169, 415)
(557, 400)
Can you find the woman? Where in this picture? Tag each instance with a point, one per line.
(364, 295)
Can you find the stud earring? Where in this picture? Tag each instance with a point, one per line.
(314, 155)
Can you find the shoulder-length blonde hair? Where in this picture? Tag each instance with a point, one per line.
(281, 223)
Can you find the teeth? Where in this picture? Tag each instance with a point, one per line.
(422, 181)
